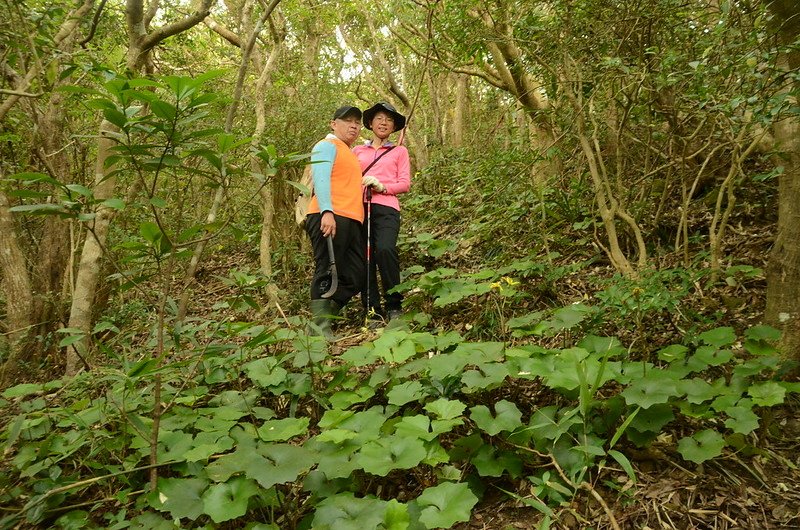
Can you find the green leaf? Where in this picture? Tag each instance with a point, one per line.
(265, 372)
(624, 463)
(417, 426)
(767, 394)
(228, 465)
(710, 356)
(653, 389)
(22, 390)
(281, 463)
(703, 446)
(508, 418)
(446, 409)
(405, 393)
(490, 376)
(79, 189)
(741, 419)
(150, 232)
(719, 337)
(115, 204)
(336, 436)
(379, 457)
(228, 500)
(163, 110)
(284, 429)
(444, 505)
(766, 333)
(181, 497)
(344, 511)
(346, 398)
(39, 209)
(698, 390)
(672, 353)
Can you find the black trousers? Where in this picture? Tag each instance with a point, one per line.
(349, 250)
(385, 259)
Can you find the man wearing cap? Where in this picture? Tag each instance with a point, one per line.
(336, 210)
(389, 177)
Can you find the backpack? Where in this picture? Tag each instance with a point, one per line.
(304, 199)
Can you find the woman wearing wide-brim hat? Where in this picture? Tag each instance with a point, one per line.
(388, 177)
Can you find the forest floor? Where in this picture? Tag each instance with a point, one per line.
(755, 488)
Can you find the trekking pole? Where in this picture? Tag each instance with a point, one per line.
(369, 250)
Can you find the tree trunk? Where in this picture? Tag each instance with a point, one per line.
(17, 288)
(461, 110)
(783, 270)
(80, 315)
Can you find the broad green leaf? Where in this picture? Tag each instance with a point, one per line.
(766, 333)
(344, 511)
(719, 337)
(492, 463)
(79, 189)
(446, 408)
(22, 390)
(396, 516)
(206, 444)
(654, 389)
(767, 394)
(405, 393)
(417, 426)
(508, 417)
(284, 429)
(379, 457)
(698, 390)
(230, 464)
(711, 356)
(672, 353)
(702, 446)
(279, 463)
(228, 500)
(162, 109)
(346, 398)
(490, 376)
(265, 372)
(181, 497)
(444, 505)
(173, 445)
(336, 436)
(150, 231)
(741, 419)
(446, 365)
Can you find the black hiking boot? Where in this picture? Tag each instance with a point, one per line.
(323, 311)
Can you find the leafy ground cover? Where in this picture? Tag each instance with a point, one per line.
(416, 426)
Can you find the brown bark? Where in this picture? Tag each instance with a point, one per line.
(783, 270)
(80, 316)
(17, 289)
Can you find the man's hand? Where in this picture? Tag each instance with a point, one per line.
(369, 180)
(328, 224)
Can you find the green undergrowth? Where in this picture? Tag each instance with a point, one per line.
(261, 427)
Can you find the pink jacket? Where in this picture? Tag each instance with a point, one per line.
(392, 170)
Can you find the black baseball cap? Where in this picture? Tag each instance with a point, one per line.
(369, 114)
(347, 110)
